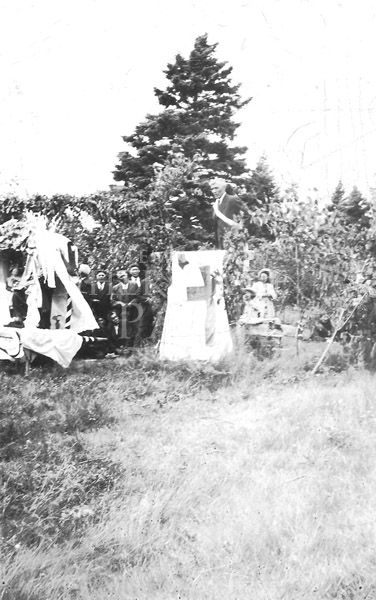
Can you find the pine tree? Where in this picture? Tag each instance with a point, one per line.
(199, 103)
(350, 211)
(356, 208)
(337, 197)
(262, 189)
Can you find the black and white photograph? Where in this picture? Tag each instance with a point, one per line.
(187, 300)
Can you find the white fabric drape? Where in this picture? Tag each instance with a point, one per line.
(185, 329)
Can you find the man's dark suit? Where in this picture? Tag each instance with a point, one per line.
(100, 300)
(230, 206)
(139, 313)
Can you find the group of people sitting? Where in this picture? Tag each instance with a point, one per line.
(121, 308)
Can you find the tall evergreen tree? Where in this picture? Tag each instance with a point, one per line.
(337, 196)
(350, 211)
(262, 189)
(199, 103)
(356, 208)
(196, 124)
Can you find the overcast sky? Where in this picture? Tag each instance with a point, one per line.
(77, 75)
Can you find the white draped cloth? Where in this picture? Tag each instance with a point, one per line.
(194, 329)
(60, 345)
(183, 334)
(47, 260)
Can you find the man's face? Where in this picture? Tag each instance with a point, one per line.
(264, 277)
(218, 187)
(114, 319)
(101, 276)
(122, 276)
(135, 271)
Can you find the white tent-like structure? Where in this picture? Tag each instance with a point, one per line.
(48, 259)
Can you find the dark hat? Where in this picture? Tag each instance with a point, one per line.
(133, 264)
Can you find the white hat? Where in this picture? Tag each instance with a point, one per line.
(84, 270)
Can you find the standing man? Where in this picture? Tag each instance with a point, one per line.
(225, 207)
(139, 313)
(119, 301)
(100, 299)
(84, 284)
(120, 290)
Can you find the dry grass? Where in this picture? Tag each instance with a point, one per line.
(236, 485)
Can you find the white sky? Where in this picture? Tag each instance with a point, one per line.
(77, 75)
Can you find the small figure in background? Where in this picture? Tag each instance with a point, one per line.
(120, 291)
(114, 333)
(323, 327)
(100, 296)
(13, 279)
(251, 314)
(18, 300)
(139, 312)
(265, 295)
(84, 283)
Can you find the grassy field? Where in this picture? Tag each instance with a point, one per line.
(149, 481)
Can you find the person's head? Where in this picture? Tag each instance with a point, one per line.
(114, 318)
(101, 276)
(122, 276)
(134, 270)
(84, 271)
(264, 275)
(101, 322)
(248, 294)
(218, 186)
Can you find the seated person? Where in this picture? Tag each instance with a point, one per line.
(323, 327)
(251, 314)
(114, 332)
(265, 294)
